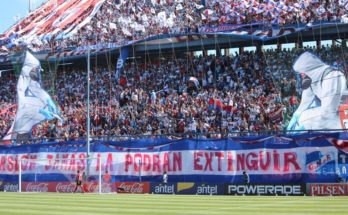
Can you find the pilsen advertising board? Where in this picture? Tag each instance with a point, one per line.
(265, 189)
(272, 159)
(323, 189)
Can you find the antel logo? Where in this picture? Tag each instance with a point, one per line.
(164, 188)
(207, 189)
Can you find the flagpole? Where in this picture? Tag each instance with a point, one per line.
(88, 108)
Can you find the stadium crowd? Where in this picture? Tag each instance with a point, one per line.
(118, 22)
(247, 92)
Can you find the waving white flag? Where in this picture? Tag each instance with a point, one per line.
(34, 103)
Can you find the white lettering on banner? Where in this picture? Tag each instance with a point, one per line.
(185, 162)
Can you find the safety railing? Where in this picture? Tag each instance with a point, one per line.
(173, 136)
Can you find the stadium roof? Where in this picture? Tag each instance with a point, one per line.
(64, 18)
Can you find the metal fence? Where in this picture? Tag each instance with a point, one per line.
(173, 136)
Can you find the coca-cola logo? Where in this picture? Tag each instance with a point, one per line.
(94, 187)
(131, 188)
(37, 187)
(65, 187)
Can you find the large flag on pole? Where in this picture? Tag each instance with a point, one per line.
(120, 62)
(34, 103)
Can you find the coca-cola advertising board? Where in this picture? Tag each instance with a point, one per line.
(132, 187)
(65, 187)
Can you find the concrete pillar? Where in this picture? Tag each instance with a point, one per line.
(318, 44)
(227, 52)
(299, 44)
(344, 44)
(241, 50)
(218, 52)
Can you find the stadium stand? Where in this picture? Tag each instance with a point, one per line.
(249, 92)
(115, 21)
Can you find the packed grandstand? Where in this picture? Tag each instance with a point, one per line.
(60, 24)
(249, 91)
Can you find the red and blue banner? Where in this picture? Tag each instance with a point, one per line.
(305, 158)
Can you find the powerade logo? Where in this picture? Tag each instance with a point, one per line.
(161, 188)
(200, 188)
(319, 162)
(260, 189)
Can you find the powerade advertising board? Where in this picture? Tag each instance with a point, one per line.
(289, 159)
(266, 189)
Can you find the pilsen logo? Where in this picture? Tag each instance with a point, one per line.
(327, 189)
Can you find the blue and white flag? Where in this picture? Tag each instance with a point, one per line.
(34, 103)
(120, 62)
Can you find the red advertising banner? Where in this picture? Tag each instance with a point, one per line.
(327, 189)
(132, 187)
(64, 187)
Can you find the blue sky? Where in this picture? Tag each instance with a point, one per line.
(11, 8)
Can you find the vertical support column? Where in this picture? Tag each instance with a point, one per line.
(299, 44)
(318, 44)
(241, 50)
(100, 176)
(19, 174)
(227, 51)
(218, 52)
(344, 44)
(279, 47)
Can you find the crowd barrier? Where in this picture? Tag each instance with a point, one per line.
(186, 188)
